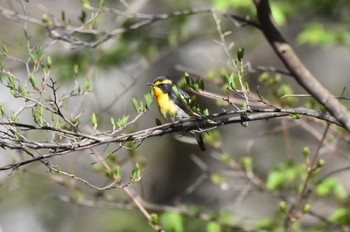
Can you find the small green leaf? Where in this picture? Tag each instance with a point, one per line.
(113, 123)
(247, 88)
(136, 173)
(22, 90)
(329, 186)
(82, 17)
(267, 224)
(49, 62)
(201, 84)
(101, 3)
(77, 195)
(226, 159)
(176, 91)
(247, 164)
(264, 78)
(213, 138)
(294, 116)
(217, 179)
(206, 112)
(230, 82)
(285, 90)
(117, 173)
(341, 216)
(38, 115)
(276, 180)
(14, 94)
(5, 51)
(188, 79)
(86, 4)
(122, 122)
(93, 120)
(11, 82)
(240, 54)
(76, 69)
(213, 227)
(172, 39)
(41, 110)
(278, 13)
(148, 100)
(53, 117)
(2, 110)
(172, 222)
(136, 104)
(87, 87)
(234, 63)
(14, 118)
(36, 55)
(316, 34)
(142, 107)
(58, 124)
(195, 86)
(241, 69)
(32, 80)
(63, 16)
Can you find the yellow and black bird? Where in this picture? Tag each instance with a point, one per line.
(172, 106)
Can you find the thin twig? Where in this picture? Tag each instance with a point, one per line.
(294, 213)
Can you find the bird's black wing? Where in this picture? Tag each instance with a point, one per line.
(183, 102)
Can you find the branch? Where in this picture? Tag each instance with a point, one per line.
(312, 168)
(83, 141)
(292, 62)
(59, 30)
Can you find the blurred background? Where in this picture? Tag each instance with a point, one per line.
(174, 174)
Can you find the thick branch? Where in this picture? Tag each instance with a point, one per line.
(301, 74)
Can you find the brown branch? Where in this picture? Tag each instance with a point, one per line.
(292, 62)
(67, 33)
(84, 141)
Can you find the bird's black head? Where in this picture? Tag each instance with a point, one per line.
(162, 83)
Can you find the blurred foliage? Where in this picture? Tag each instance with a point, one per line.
(279, 92)
(314, 32)
(331, 186)
(317, 35)
(150, 43)
(285, 176)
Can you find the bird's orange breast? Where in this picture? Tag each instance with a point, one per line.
(166, 106)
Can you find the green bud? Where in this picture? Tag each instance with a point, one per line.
(321, 163)
(306, 152)
(283, 207)
(306, 209)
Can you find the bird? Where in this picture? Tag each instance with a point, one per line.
(172, 103)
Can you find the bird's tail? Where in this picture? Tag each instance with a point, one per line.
(200, 141)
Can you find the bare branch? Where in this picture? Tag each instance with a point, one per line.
(84, 141)
(292, 62)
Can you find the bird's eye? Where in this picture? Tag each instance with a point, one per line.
(161, 84)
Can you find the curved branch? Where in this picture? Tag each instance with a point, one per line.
(292, 62)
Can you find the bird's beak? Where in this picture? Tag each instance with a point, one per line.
(150, 84)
